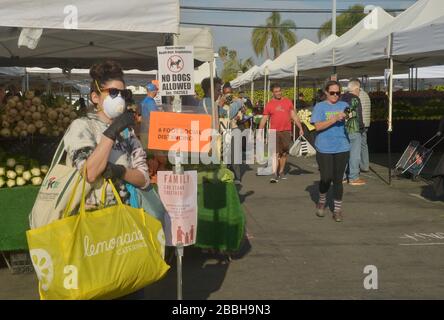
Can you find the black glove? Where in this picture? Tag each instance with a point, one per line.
(113, 171)
(119, 124)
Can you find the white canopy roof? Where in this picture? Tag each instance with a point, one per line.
(245, 78)
(263, 68)
(126, 31)
(325, 57)
(376, 46)
(283, 66)
(420, 46)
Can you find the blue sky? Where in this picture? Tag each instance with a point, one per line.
(239, 38)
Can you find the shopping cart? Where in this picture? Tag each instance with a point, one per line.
(416, 156)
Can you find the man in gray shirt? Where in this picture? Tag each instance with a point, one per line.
(366, 117)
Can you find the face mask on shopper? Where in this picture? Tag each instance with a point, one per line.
(114, 104)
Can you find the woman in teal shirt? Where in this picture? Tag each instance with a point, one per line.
(332, 146)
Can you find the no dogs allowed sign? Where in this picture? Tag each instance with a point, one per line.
(176, 70)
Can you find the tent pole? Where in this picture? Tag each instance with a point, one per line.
(295, 81)
(390, 128)
(265, 89)
(252, 93)
(213, 107)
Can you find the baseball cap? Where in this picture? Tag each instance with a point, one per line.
(151, 87)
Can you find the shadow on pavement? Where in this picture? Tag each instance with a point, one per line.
(203, 274)
(295, 170)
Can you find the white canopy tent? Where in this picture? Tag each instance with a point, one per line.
(375, 49)
(128, 32)
(320, 62)
(283, 66)
(421, 46)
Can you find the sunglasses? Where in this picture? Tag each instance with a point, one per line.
(334, 93)
(113, 92)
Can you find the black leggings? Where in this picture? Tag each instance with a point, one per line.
(332, 167)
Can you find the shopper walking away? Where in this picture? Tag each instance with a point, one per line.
(332, 146)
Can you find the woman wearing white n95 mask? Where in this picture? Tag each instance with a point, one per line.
(104, 140)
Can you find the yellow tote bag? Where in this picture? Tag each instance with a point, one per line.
(102, 254)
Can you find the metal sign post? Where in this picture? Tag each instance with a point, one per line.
(178, 169)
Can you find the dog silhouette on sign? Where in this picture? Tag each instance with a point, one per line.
(175, 63)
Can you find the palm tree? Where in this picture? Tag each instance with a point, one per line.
(245, 65)
(344, 22)
(223, 53)
(276, 33)
(232, 65)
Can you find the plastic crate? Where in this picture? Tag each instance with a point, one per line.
(19, 262)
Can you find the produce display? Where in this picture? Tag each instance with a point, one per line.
(19, 171)
(46, 115)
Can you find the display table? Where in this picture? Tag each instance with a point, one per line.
(221, 218)
(15, 206)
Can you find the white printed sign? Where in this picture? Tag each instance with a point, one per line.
(176, 70)
(178, 193)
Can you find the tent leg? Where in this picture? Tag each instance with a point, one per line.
(252, 93)
(213, 107)
(390, 129)
(294, 104)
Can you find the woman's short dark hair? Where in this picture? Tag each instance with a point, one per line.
(332, 83)
(104, 72)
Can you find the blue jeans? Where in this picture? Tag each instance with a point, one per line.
(355, 156)
(365, 162)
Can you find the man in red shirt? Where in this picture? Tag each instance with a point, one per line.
(280, 111)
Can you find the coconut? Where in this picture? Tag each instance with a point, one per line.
(61, 116)
(66, 121)
(31, 128)
(36, 101)
(28, 119)
(22, 112)
(33, 108)
(36, 116)
(38, 124)
(13, 112)
(41, 108)
(43, 130)
(53, 115)
(29, 94)
(73, 115)
(11, 103)
(5, 124)
(22, 124)
(66, 111)
(23, 133)
(28, 103)
(5, 133)
(15, 134)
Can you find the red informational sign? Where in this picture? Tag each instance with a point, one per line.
(178, 193)
(174, 131)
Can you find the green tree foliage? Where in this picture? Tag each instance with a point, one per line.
(276, 35)
(232, 64)
(344, 22)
